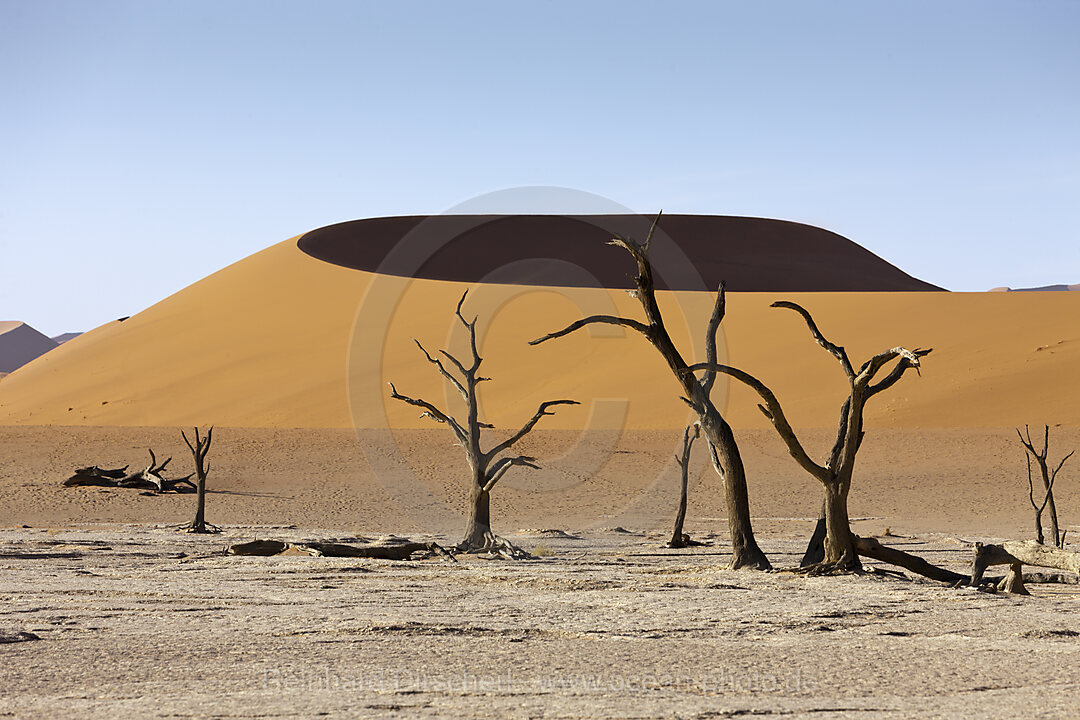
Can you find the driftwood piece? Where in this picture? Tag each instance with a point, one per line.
(1014, 552)
(402, 551)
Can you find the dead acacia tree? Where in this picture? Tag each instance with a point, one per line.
(726, 458)
(678, 538)
(487, 466)
(1048, 476)
(199, 449)
(840, 552)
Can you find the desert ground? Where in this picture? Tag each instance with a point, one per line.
(135, 618)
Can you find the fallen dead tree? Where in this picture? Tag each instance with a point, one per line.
(151, 477)
(871, 548)
(1014, 554)
(1017, 553)
(399, 551)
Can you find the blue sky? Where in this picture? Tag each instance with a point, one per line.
(145, 145)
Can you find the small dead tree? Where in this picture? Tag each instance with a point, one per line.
(1048, 476)
(678, 538)
(839, 551)
(723, 448)
(199, 449)
(487, 466)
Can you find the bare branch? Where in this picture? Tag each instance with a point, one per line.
(719, 308)
(527, 427)
(595, 320)
(833, 349)
(909, 359)
(442, 369)
(505, 464)
(871, 367)
(431, 411)
(471, 327)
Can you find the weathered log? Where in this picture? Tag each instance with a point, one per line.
(262, 548)
(1013, 582)
(96, 476)
(871, 548)
(402, 551)
(1026, 552)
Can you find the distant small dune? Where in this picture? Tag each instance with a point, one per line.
(1044, 288)
(19, 344)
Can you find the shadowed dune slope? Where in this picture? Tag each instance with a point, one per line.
(282, 339)
(19, 344)
(689, 252)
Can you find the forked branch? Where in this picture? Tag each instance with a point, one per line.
(527, 427)
(430, 411)
(719, 308)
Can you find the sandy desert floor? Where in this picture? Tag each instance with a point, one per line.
(141, 621)
(135, 619)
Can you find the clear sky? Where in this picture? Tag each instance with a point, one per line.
(147, 144)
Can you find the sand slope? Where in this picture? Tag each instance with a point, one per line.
(270, 342)
(19, 344)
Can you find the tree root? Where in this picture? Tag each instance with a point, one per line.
(494, 546)
(205, 529)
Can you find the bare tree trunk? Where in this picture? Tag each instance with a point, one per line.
(199, 525)
(745, 552)
(840, 549)
(199, 450)
(478, 527)
(1055, 534)
(815, 549)
(678, 538)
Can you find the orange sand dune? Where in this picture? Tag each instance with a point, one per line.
(282, 339)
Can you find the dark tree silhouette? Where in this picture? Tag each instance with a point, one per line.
(678, 538)
(839, 551)
(1057, 537)
(745, 552)
(487, 466)
(199, 449)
